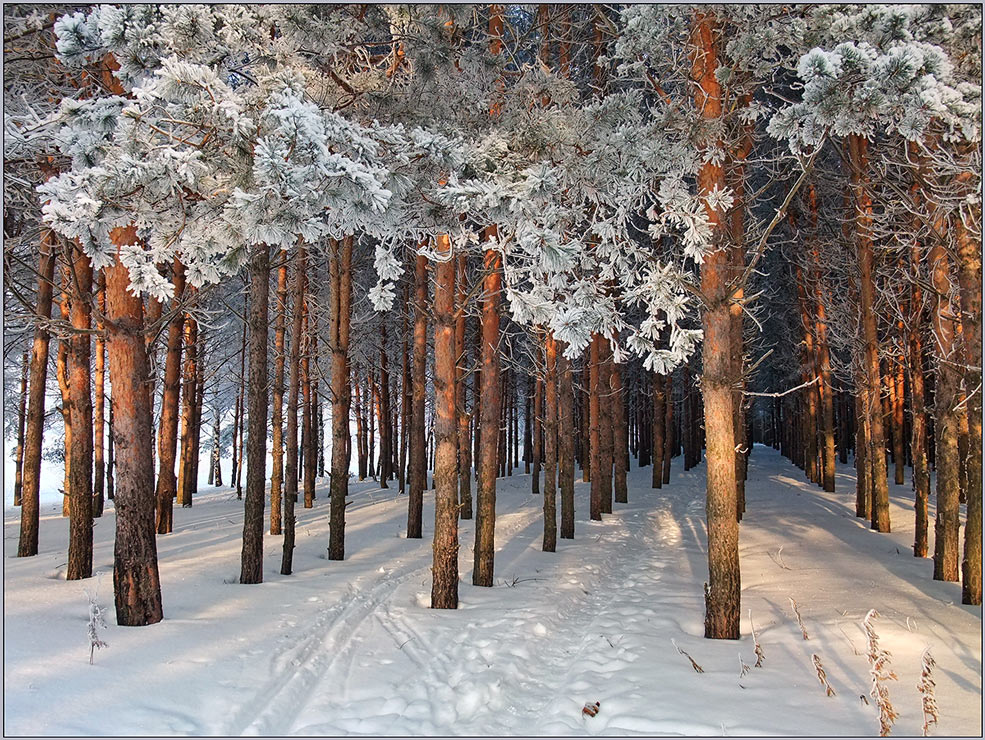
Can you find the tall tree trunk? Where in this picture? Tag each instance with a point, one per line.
(136, 581)
(566, 446)
(606, 424)
(197, 410)
(461, 360)
(217, 450)
(723, 590)
(405, 399)
(309, 459)
(825, 388)
(418, 449)
(970, 281)
(383, 411)
(188, 412)
(669, 437)
(277, 414)
(897, 382)
(110, 462)
(620, 457)
(27, 544)
(858, 160)
(256, 456)
(659, 401)
(918, 411)
(99, 427)
(80, 525)
(168, 437)
(339, 315)
(485, 524)
(62, 374)
(293, 391)
(444, 588)
(550, 443)
(21, 418)
(594, 428)
(536, 426)
(586, 419)
(242, 415)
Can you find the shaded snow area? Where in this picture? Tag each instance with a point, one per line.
(351, 647)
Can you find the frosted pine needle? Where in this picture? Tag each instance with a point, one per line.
(926, 688)
(881, 673)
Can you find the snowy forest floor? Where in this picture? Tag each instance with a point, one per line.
(351, 647)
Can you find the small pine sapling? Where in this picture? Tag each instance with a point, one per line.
(694, 665)
(760, 655)
(926, 689)
(95, 622)
(881, 673)
(821, 675)
(800, 620)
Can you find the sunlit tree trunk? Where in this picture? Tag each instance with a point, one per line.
(858, 159)
(136, 582)
(80, 524)
(485, 524)
(461, 361)
(339, 316)
(187, 413)
(99, 409)
(444, 585)
(723, 590)
(167, 439)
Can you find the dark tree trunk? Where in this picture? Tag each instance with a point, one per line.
(293, 391)
(21, 418)
(136, 582)
(550, 443)
(444, 588)
(80, 524)
(535, 430)
(594, 428)
(606, 425)
(857, 154)
(659, 412)
(30, 503)
(418, 448)
(566, 447)
(307, 420)
(669, 437)
(620, 456)
(339, 313)
(277, 414)
(464, 438)
(485, 525)
(99, 410)
(256, 457)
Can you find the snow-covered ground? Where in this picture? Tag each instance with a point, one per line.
(351, 647)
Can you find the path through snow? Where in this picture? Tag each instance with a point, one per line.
(350, 648)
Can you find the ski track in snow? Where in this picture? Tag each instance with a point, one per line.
(351, 647)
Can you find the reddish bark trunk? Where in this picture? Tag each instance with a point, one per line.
(339, 315)
(485, 525)
(444, 586)
(293, 391)
(136, 582)
(168, 437)
(550, 443)
(418, 448)
(277, 414)
(566, 446)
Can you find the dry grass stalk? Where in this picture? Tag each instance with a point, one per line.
(800, 621)
(881, 673)
(926, 688)
(821, 675)
(694, 665)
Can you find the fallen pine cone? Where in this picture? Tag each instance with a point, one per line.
(591, 709)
